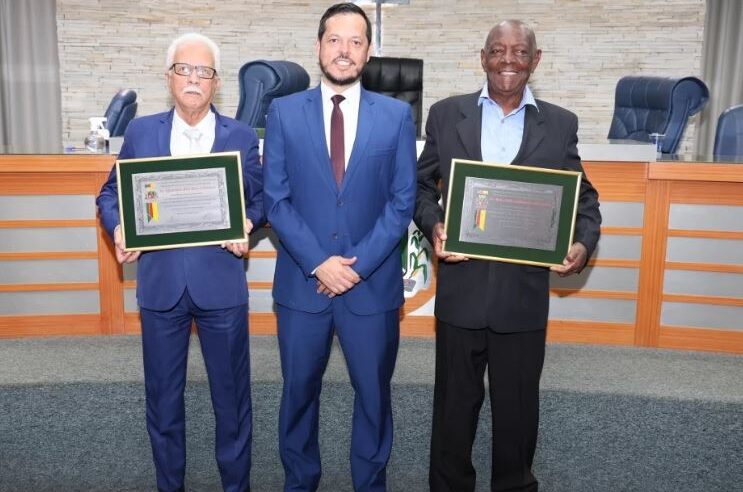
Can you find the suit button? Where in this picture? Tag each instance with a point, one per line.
(335, 235)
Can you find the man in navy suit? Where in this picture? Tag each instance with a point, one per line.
(203, 284)
(491, 314)
(339, 182)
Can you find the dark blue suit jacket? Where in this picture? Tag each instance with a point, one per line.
(505, 297)
(215, 278)
(314, 219)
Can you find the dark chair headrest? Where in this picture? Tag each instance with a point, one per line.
(120, 111)
(645, 105)
(261, 81)
(729, 133)
(401, 78)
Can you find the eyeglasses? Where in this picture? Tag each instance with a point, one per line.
(185, 70)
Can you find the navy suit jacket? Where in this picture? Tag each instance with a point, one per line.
(505, 297)
(215, 278)
(315, 219)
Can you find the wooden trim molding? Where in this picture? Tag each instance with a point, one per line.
(703, 267)
(675, 337)
(609, 262)
(594, 294)
(706, 234)
(54, 163)
(713, 300)
(621, 231)
(700, 171)
(49, 325)
(262, 254)
(16, 224)
(559, 331)
(650, 284)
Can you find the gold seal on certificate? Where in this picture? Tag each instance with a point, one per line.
(169, 202)
(516, 214)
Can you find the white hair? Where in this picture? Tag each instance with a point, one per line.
(192, 37)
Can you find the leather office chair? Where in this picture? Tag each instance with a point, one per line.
(729, 133)
(120, 111)
(401, 78)
(261, 81)
(645, 105)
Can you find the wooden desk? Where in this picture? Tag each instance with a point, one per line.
(660, 263)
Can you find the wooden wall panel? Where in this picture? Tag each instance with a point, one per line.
(655, 185)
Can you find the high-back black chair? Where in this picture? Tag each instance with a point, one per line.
(729, 133)
(120, 111)
(261, 81)
(401, 78)
(645, 105)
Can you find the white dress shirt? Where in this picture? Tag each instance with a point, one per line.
(180, 144)
(350, 109)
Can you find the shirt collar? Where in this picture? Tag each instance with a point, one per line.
(352, 94)
(528, 98)
(206, 122)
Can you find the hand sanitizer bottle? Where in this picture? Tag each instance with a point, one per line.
(95, 141)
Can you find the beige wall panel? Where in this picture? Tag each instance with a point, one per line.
(701, 250)
(48, 239)
(703, 283)
(130, 301)
(48, 271)
(587, 46)
(706, 217)
(54, 302)
(702, 316)
(47, 207)
(618, 247)
(599, 278)
(260, 269)
(621, 214)
(260, 301)
(592, 309)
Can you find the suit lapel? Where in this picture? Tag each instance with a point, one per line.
(534, 133)
(221, 132)
(470, 126)
(163, 133)
(316, 128)
(363, 133)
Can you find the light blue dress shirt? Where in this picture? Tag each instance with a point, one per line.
(501, 135)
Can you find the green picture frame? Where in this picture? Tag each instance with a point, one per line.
(516, 214)
(183, 201)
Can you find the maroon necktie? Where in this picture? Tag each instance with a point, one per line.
(337, 152)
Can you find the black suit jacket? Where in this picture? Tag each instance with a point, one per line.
(505, 297)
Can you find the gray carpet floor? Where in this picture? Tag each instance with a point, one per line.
(612, 419)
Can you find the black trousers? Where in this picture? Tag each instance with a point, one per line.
(514, 362)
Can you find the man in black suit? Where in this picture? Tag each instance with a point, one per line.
(494, 314)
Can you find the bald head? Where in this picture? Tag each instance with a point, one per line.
(527, 32)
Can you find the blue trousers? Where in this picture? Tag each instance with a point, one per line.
(224, 342)
(369, 344)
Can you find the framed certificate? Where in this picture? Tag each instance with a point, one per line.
(173, 202)
(510, 213)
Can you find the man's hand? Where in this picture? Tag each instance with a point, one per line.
(573, 262)
(121, 255)
(439, 236)
(335, 276)
(240, 249)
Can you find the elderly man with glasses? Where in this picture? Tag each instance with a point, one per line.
(204, 284)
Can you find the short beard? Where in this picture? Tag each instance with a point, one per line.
(340, 82)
